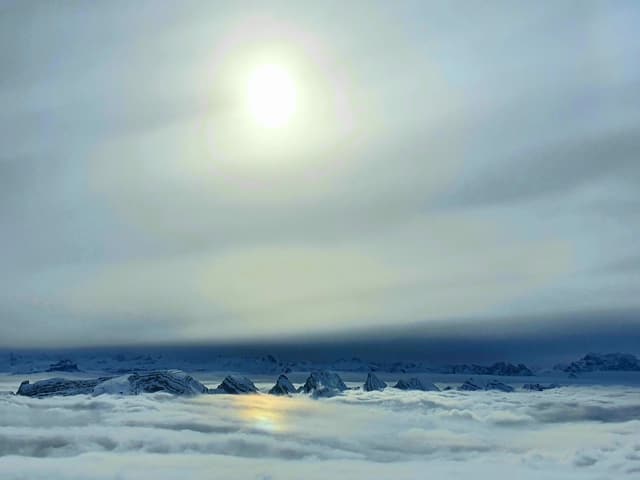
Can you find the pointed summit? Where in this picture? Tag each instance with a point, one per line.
(283, 386)
(373, 383)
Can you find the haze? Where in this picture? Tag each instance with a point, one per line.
(439, 163)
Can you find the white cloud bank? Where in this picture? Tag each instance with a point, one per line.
(567, 433)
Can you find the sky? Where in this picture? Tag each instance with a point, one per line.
(445, 160)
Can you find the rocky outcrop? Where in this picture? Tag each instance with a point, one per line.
(498, 368)
(416, 384)
(236, 386)
(63, 366)
(58, 386)
(353, 364)
(538, 387)
(373, 383)
(496, 385)
(593, 362)
(171, 381)
(283, 386)
(323, 379)
(470, 386)
(325, 392)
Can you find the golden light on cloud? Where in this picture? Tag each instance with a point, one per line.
(271, 95)
(270, 413)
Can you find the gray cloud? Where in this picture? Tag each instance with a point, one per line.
(459, 165)
(554, 169)
(630, 264)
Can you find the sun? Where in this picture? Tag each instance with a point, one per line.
(271, 96)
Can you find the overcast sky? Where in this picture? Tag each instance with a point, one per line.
(446, 160)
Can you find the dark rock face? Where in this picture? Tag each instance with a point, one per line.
(63, 366)
(325, 392)
(373, 383)
(498, 368)
(470, 386)
(416, 384)
(538, 387)
(270, 359)
(283, 386)
(593, 362)
(323, 379)
(58, 386)
(405, 367)
(496, 385)
(170, 381)
(236, 385)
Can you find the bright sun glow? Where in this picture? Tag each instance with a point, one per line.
(271, 96)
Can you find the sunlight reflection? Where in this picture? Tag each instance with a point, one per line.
(267, 412)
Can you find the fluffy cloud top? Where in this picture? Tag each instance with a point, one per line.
(572, 432)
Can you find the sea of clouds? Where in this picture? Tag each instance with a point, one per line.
(572, 432)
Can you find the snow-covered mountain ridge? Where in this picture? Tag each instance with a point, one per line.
(319, 384)
(607, 362)
(118, 364)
